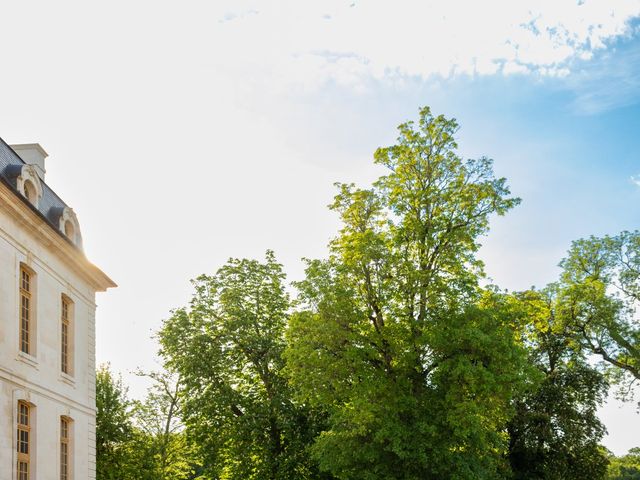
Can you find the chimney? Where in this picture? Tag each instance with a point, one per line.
(32, 154)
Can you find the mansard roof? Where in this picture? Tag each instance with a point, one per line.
(50, 206)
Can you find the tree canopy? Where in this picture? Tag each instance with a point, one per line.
(414, 364)
(227, 347)
(113, 425)
(601, 279)
(626, 467)
(555, 432)
(141, 440)
(394, 357)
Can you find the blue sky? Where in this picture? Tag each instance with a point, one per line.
(183, 133)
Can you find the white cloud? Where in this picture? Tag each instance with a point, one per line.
(311, 43)
(636, 180)
(514, 67)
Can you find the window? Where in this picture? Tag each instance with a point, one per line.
(28, 183)
(68, 225)
(69, 231)
(26, 310)
(24, 440)
(30, 192)
(65, 449)
(66, 336)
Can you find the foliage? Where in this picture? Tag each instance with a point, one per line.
(555, 433)
(396, 340)
(626, 467)
(113, 426)
(227, 347)
(601, 292)
(393, 362)
(160, 438)
(140, 440)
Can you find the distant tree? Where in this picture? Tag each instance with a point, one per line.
(141, 440)
(114, 428)
(600, 297)
(394, 337)
(555, 433)
(161, 442)
(626, 467)
(227, 348)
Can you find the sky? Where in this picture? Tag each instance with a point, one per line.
(185, 133)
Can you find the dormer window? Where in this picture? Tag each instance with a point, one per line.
(68, 225)
(30, 192)
(70, 231)
(29, 184)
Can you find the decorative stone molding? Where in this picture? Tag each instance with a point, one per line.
(48, 232)
(28, 184)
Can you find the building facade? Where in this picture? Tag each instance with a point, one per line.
(47, 328)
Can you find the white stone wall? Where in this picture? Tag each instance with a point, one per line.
(38, 379)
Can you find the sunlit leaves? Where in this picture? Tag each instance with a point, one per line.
(393, 338)
(227, 346)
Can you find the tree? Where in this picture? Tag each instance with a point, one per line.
(600, 296)
(555, 433)
(160, 440)
(141, 440)
(626, 467)
(113, 426)
(227, 348)
(414, 363)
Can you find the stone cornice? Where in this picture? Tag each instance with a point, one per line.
(34, 222)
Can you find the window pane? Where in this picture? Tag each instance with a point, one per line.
(26, 280)
(23, 444)
(65, 348)
(23, 471)
(25, 317)
(23, 414)
(64, 462)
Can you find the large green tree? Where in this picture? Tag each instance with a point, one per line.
(414, 364)
(227, 348)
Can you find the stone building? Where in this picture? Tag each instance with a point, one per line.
(47, 328)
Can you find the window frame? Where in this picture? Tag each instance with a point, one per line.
(66, 448)
(27, 311)
(23, 458)
(67, 338)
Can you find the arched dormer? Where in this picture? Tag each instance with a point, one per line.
(29, 184)
(69, 226)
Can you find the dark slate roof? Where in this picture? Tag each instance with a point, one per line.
(50, 206)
